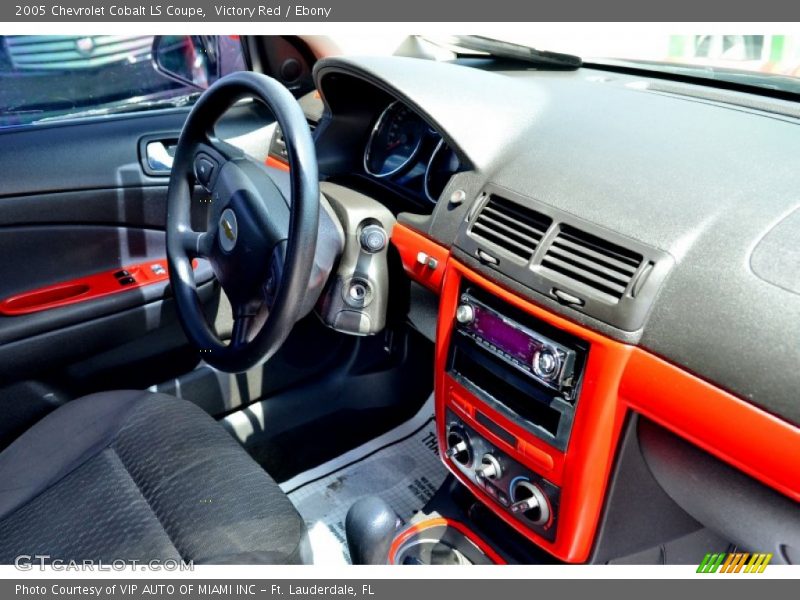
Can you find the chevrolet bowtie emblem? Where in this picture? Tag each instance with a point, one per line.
(230, 230)
(226, 226)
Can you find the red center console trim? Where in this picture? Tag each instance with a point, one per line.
(417, 528)
(538, 456)
(617, 378)
(85, 289)
(582, 471)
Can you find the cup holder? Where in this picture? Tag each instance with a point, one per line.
(439, 542)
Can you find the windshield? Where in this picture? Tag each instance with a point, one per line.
(767, 61)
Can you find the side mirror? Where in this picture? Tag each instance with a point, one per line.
(189, 59)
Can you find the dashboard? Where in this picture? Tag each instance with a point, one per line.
(647, 169)
(605, 227)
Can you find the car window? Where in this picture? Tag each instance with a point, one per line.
(45, 78)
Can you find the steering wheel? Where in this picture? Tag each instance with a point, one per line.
(260, 244)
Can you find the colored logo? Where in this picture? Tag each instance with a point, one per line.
(84, 46)
(230, 230)
(738, 562)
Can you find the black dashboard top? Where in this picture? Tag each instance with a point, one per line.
(707, 182)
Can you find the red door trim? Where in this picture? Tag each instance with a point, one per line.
(85, 289)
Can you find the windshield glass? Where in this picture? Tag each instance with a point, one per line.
(769, 61)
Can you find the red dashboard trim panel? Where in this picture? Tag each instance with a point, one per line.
(276, 164)
(739, 433)
(618, 378)
(582, 471)
(410, 244)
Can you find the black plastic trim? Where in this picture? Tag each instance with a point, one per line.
(628, 313)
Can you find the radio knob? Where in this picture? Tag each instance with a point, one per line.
(465, 314)
(546, 364)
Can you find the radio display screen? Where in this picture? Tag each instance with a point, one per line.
(495, 330)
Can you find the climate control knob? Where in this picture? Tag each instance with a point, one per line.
(458, 447)
(489, 468)
(528, 500)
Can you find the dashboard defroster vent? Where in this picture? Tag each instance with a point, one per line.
(592, 262)
(515, 229)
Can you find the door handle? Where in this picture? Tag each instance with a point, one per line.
(158, 157)
(157, 153)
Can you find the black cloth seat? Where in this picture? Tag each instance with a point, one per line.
(132, 475)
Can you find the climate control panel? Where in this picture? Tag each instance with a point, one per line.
(528, 497)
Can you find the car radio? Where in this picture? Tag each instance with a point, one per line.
(519, 366)
(546, 361)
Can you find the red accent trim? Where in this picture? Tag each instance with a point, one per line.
(413, 530)
(409, 244)
(618, 378)
(582, 471)
(732, 429)
(530, 451)
(83, 289)
(276, 163)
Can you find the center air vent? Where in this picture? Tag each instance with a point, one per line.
(592, 262)
(514, 228)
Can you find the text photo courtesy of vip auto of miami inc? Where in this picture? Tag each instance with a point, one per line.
(508, 305)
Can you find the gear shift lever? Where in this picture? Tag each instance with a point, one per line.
(370, 526)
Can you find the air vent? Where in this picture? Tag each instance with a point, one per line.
(592, 262)
(515, 229)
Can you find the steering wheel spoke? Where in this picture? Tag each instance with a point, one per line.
(197, 244)
(241, 330)
(206, 165)
(248, 319)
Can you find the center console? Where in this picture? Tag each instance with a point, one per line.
(526, 410)
(530, 373)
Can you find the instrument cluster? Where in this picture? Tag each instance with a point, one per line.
(404, 150)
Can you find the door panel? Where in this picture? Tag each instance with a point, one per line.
(81, 154)
(74, 201)
(40, 256)
(131, 206)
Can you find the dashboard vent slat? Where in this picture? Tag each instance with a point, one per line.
(511, 227)
(604, 267)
